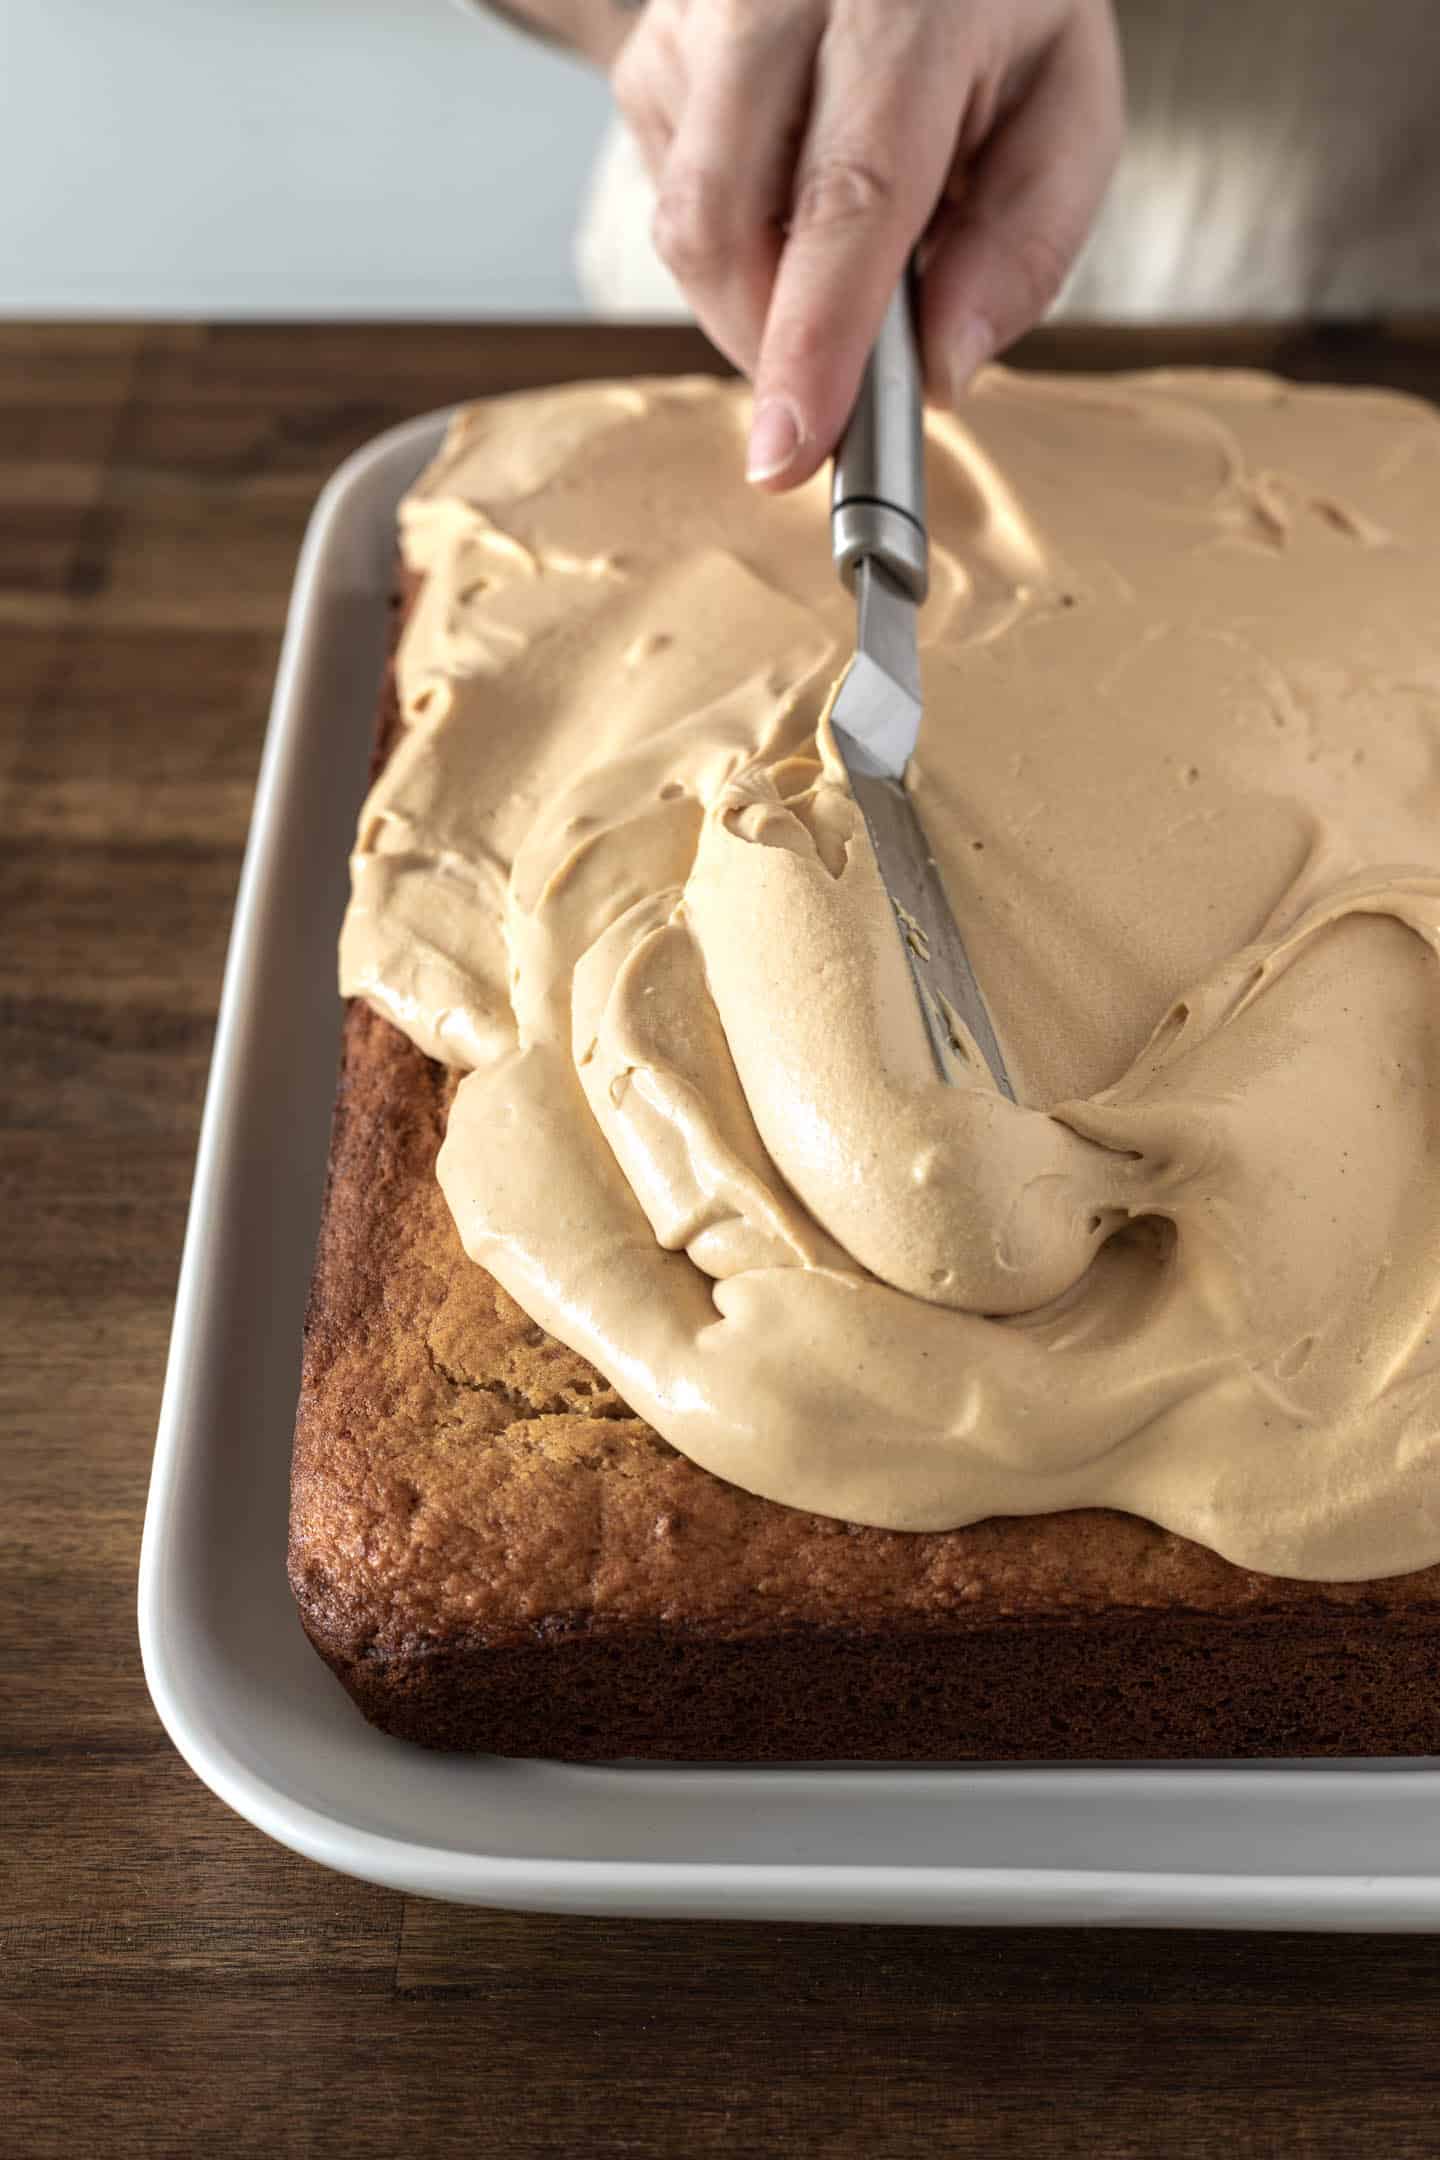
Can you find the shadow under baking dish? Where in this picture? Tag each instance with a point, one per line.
(261, 1720)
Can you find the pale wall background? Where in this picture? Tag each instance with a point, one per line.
(286, 157)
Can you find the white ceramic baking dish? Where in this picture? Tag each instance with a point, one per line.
(260, 1719)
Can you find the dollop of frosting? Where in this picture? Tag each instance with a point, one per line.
(1180, 765)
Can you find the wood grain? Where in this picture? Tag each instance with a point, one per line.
(169, 1978)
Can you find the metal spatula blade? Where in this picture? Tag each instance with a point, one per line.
(875, 721)
(881, 549)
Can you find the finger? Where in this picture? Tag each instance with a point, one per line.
(726, 181)
(890, 84)
(1012, 225)
(647, 84)
(650, 125)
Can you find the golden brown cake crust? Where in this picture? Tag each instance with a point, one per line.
(493, 1553)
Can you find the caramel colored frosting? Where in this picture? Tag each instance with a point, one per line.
(1180, 765)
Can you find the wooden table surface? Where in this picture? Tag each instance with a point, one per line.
(170, 1979)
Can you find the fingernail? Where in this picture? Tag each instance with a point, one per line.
(775, 439)
(970, 348)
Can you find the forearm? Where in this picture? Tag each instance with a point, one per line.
(596, 28)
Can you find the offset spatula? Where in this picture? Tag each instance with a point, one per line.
(882, 553)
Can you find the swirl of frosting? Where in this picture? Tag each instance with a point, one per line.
(1182, 693)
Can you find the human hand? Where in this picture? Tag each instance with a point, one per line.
(802, 148)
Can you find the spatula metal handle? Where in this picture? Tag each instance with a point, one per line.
(878, 504)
